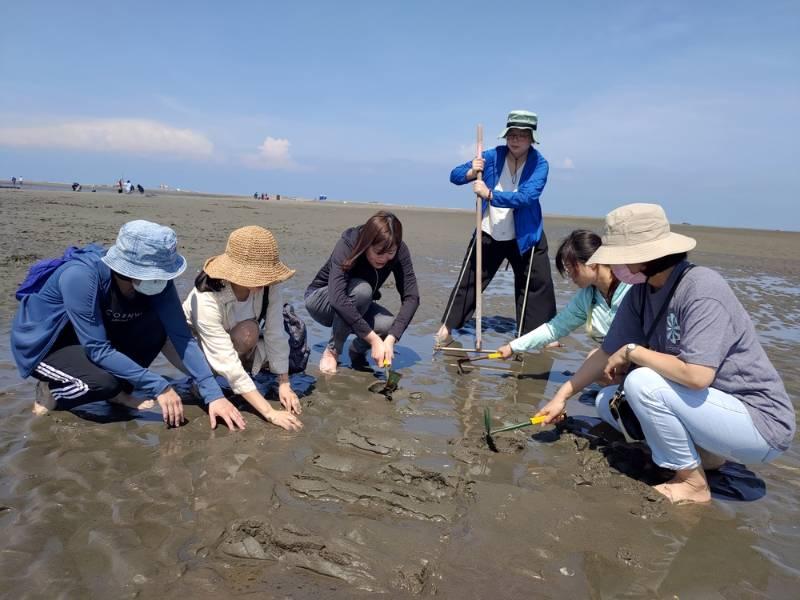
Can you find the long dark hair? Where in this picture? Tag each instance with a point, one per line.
(382, 229)
(204, 283)
(576, 248)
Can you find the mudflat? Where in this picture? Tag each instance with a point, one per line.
(398, 497)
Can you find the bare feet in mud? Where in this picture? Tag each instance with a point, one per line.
(328, 362)
(44, 401)
(689, 486)
(129, 401)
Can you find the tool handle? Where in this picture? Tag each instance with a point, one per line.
(538, 420)
(494, 355)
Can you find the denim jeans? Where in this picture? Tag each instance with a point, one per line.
(320, 309)
(676, 420)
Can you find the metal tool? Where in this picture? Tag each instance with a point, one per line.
(387, 386)
(487, 423)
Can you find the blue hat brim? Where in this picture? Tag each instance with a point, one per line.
(120, 265)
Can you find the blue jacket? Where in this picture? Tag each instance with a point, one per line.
(77, 292)
(525, 201)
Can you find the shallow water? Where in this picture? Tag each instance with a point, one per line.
(400, 497)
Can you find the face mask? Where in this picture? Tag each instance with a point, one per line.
(150, 287)
(623, 273)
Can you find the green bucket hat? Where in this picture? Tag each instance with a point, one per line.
(522, 119)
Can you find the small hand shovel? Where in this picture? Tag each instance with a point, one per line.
(470, 360)
(487, 423)
(389, 385)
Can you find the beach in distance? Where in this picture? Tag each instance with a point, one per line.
(398, 497)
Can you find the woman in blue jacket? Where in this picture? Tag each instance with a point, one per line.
(100, 319)
(514, 176)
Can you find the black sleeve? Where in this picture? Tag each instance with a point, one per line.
(406, 282)
(338, 281)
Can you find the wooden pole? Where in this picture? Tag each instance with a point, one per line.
(478, 251)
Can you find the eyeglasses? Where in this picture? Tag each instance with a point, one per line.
(518, 136)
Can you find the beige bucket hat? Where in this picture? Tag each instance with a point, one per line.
(637, 233)
(251, 259)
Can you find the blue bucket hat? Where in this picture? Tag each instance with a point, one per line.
(145, 251)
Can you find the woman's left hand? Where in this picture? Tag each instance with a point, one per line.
(480, 188)
(388, 351)
(616, 365)
(289, 399)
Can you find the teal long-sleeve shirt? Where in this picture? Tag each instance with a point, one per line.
(587, 302)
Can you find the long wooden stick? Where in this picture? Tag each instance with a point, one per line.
(478, 250)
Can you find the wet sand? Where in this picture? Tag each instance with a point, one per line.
(403, 498)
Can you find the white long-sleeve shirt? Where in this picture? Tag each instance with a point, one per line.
(212, 315)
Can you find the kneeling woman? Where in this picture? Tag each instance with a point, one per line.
(703, 380)
(100, 319)
(594, 306)
(224, 309)
(344, 292)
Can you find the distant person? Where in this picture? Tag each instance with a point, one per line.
(514, 176)
(255, 196)
(140, 188)
(594, 306)
(19, 181)
(94, 188)
(702, 388)
(277, 196)
(225, 310)
(101, 318)
(128, 187)
(344, 293)
(14, 181)
(76, 187)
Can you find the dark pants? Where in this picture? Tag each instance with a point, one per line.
(74, 379)
(376, 316)
(541, 304)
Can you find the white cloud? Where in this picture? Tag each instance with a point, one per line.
(567, 163)
(272, 154)
(467, 151)
(136, 136)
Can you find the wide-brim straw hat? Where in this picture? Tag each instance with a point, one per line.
(638, 233)
(522, 119)
(251, 259)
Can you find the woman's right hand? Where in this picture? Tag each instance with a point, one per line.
(505, 351)
(285, 419)
(553, 410)
(477, 164)
(378, 350)
(171, 407)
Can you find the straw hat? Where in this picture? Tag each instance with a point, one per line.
(638, 233)
(250, 259)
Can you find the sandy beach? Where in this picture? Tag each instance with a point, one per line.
(401, 498)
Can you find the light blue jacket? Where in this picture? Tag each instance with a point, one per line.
(525, 201)
(587, 307)
(77, 292)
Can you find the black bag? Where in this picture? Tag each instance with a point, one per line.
(618, 405)
(298, 336)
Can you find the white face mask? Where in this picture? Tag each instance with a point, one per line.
(623, 273)
(150, 287)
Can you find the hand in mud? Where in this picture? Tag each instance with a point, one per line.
(505, 351)
(171, 407)
(553, 410)
(616, 366)
(222, 408)
(289, 399)
(285, 419)
(480, 188)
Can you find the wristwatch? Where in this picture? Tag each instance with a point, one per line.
(628, 349)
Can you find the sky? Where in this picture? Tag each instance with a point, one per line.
(693, 105)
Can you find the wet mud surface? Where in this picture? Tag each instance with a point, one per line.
(402, 498)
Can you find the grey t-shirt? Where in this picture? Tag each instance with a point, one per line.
(705, 324)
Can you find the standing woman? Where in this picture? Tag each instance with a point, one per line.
(702, 380)
(514, 176)
(594, 306)
(344, 293)
(224, 311)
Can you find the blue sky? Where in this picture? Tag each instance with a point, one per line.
(690, 104)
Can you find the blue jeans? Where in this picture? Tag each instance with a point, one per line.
(376, 316)
(676, 420)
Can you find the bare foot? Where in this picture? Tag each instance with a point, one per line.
(328, 362)
(442, 337)
(688, 486)
(129, 401)
(44, 401)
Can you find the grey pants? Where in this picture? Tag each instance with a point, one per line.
(379, 318)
